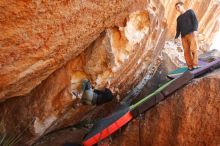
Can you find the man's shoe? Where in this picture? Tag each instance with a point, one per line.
(195, 67)
(190, 69)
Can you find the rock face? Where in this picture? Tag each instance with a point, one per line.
(189, 117)
(61, 43)
(39, 37)
(48, 47)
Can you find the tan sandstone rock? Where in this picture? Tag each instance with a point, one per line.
(48, 47)
(188, 117)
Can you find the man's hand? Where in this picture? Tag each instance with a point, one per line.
(176, 40)
(195, 33)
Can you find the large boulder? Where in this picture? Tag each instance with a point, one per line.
(188, 117)
(48, 47)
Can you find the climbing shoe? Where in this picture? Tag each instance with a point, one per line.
(95, 97)
(87, 92)
(86, 85)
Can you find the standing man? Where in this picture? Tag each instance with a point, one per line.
(187, 26)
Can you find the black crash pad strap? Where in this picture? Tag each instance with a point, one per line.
(152, 101)
(178, 83)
